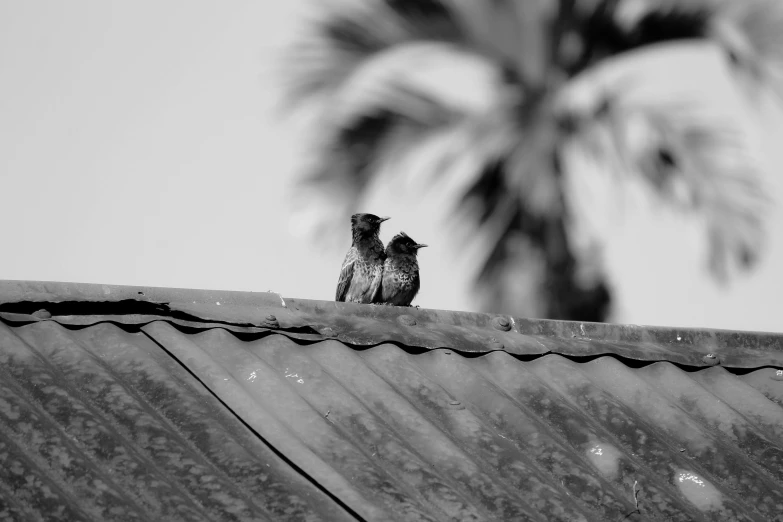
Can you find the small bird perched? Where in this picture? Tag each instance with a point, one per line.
(362, 271)
(400, 271)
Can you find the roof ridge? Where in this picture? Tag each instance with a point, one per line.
(368, 325)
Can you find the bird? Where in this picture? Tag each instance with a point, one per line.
(401, 280)
(362, 270)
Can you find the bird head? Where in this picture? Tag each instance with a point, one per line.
(364, 225)
(403, 244)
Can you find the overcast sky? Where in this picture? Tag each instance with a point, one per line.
(139, 147)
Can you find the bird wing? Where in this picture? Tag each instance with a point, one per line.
(375, 287)
(416, 287)
(346, 274)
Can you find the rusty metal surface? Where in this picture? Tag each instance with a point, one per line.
(440, 436)
(367, 325)
(102, 424)
(255, 411)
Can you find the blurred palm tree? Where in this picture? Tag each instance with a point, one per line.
(365, 66)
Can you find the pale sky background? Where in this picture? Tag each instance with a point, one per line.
(139, 147)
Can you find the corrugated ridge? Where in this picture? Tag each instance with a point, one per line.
(421, 433)
(408, 451)
(381, 414)
(63, 460)
(534, 420)
(250, 387)
(105, 399)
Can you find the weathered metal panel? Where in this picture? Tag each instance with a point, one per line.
(102, 424)
(440, 436)
(172, 406)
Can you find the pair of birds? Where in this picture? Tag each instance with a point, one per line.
(371, 274)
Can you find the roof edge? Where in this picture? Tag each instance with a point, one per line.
(369, 325)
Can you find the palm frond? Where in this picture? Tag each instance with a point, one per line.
(511, 33)
(426, 19)
(699, 165)
(339, 38)
(380, 115)
(674, 22)
(750, 31)
(608, 32)
(382, 88)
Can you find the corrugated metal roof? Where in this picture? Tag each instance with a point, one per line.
(229, 413)
(101, 424)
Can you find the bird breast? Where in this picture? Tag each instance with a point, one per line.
(403, 273)
(403, 277)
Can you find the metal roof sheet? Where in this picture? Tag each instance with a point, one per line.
(166, 408)
(101, 424)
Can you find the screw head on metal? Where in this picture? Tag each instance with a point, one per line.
(711, 359)
(777, 376)
(501, 323)
(271, 318)
(407, 320)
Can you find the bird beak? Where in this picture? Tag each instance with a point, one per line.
(381, 220)
(420, 246)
